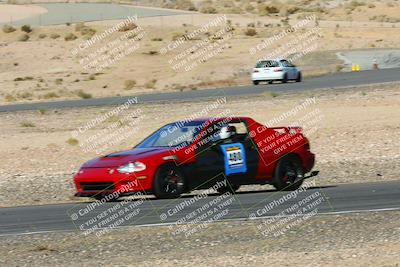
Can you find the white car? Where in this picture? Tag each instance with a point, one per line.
(275, 70)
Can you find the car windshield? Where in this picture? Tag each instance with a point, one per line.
(267, 64)
(173, 134)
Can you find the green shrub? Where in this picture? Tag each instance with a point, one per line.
(26, 78)
(72, 141)
(42, 36)
(8, 29)
(58, 81)
(54, 36)
(49, 95)
(26, 28)
(27, 124)
(208, 9)
(83, 94)
(70, 37)
(267, 9)
(250, 32)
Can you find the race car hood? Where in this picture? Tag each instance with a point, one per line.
(124, 157)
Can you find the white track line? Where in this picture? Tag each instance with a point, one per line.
(226, 220)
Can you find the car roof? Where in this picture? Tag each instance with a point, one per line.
(213, 119)
(272, 59)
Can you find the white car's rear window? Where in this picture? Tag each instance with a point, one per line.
(267, 64)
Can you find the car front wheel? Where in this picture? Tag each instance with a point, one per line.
(255, 82)
(298, 79)
(168, 182)
(285, 78)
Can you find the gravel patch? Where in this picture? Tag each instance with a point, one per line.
(365, 239)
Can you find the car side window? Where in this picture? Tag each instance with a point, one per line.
(286, 63)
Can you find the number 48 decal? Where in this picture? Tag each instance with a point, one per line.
(234, 158)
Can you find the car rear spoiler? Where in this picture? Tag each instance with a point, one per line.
(290, 129)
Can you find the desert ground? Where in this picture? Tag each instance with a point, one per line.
(365, 239)
(55, 72)
(354, 137)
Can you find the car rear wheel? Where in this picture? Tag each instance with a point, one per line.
(289, 173)
(168, 182)
(298, 79)
(255, 82)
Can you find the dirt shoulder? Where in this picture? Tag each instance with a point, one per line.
(55, 72)
(364, 239)
(354, 137)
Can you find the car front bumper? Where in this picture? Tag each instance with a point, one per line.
(103, 181)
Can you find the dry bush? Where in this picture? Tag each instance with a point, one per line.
(152, 52)
(249, 8)
(264, 9)
(84, 30)
(10, 98)
(26, 28)
(26, 78)
(58, 81)
(72, 141)
(128, 27)
(8, 29)
(150, 84)
(83, 94)
(42, 36)
(70, 37)
(54, 36)
(129, 84)
(23, 38)
(250, 32)
(49, 95)
(27, 124)
(208, 9)
(185, 5)
(79, 26)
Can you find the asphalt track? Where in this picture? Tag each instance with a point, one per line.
(333, 81)
(338, 199)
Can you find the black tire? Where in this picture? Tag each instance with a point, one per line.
(270, 82)
(232, 188)
(285, 79)
(289, 173)
(298, 79)
(255, 82)
(169, 182)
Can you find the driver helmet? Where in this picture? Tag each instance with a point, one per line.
(227, 131)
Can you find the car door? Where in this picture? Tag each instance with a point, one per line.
(287, 69)
(234, 158)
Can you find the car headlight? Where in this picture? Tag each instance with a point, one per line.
(132, 167)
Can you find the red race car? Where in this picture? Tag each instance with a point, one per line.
(197, 154)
